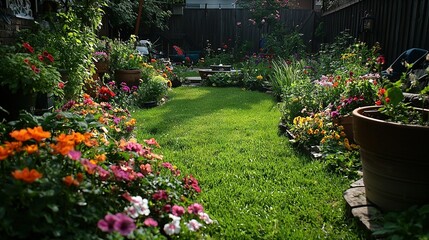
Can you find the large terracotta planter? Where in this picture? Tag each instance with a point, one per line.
(395, 160)
(130, 77)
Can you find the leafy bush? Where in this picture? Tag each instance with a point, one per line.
(223, 80)
(412, 223)
(153, 89)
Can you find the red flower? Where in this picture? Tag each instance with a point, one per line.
(27, 46)
(378, 103)
(50, 58)
(381, 60)
(61, 85)
(35, 69)
(27, 61)
(387, 100)
(381, 91)
(40, 57)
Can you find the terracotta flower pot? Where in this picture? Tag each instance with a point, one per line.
(395, 160)
(130, 77)
(101, 67)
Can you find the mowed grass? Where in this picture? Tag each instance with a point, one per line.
(253, 182)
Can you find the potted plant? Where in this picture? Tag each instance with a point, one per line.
(151, 91)
(126, 62)
(393, 145)
(24, 73)
(358, 92)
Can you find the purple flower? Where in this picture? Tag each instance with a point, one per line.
(124, 224)
(335, 114)
(116, 120)
(126, 89)
(111, 83)
(134, 88)
(106, 224)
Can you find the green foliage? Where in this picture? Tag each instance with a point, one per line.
(412, 223)
(285, 74)
(223, 80)
(28, 72)
(123, 14)
(153, 89)
(285, 44)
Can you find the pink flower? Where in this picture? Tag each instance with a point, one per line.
(195, 208)
(74, 155)
(152, 141)
(150, 222)
(177, 210)
(160, 195)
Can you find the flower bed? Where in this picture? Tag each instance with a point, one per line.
(75, 174)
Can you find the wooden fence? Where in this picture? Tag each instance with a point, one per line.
(398, 24)
(224, 26)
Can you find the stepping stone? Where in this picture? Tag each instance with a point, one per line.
(360, 208)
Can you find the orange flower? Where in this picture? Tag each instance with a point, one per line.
(38, 134)
(69, 180)
(78, 137)
(100, 158)
(30, 149)
(13, 146)
(65, 143)
(26, 175)
(4, 152)
(21, 135)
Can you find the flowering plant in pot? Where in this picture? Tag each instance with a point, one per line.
(393, 141)
(24, 75)
(28, 71)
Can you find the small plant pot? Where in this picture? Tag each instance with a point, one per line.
(150, 104)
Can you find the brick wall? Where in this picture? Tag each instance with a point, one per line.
(8, 31)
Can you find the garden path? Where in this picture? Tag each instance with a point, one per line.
(253, 182)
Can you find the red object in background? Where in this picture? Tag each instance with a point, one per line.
(178, 50)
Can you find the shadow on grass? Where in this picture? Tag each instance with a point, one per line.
(187, 103)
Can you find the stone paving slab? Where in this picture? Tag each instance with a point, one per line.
(360, 208)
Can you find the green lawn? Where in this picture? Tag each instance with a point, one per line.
(253, 182)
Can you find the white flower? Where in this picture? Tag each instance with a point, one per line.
(132, 212)
(139, 207)
(193, 225)
(174, 218)
(172, 228)
(205, 217)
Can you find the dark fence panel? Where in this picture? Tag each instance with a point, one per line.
(224, 26)
(398, 24)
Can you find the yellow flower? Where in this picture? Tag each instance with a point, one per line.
(259, 77)
(310, 131)
(347, 144)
